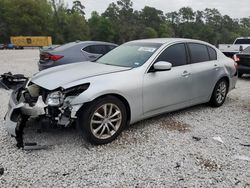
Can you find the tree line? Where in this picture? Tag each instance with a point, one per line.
(118, 23)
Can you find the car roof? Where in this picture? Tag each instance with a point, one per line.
(168, 40)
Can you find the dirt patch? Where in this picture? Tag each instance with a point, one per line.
(173, 125)
(207, 164)
(246, 107)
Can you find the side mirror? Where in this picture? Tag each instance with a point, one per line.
(162, 66)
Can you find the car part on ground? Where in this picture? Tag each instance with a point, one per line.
(135, 81)
(73, 52)
(10, 81)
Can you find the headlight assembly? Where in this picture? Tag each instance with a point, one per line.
(76, 90)
(55, 98)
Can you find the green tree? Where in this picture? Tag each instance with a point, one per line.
(100, 28)
(186, 14)
(149, 32)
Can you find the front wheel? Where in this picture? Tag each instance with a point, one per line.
(102, 120)
(219, 94)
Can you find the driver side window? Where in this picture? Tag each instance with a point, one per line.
(175, 54)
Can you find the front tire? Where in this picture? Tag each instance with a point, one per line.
(102, 120)
(220, 93)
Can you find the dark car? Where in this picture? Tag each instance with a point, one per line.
(73, 52)
(243, 60)
(2, 46)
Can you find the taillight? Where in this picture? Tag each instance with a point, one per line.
(47, 57)
(236, 58)
(55, 57)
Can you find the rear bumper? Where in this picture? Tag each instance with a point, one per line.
(45, 65)
(243, 69)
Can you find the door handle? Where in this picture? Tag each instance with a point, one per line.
(186, 74)
(216, 67)
(92, 56)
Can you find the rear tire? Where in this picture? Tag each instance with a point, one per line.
(220, 93)
(102, 120)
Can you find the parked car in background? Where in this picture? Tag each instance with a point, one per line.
(73, 52)
(243, 60)
(50, 47)
(2, 46)
(239, 45)
(135, 81)
(10, 46)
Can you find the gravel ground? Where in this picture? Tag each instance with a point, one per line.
(159, 152)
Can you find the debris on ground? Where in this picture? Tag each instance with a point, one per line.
(173, 125)
(34, 146)
(207, 164)
(242, 157)
(246, 145)
(178, 165)
(1, 171)
(196, 138)
(217, 138)
(12, 81)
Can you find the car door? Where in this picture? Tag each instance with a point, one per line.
(168, 88)
(204, 70)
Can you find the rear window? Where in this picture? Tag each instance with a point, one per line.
(242, 41)
(198, 53)
(96, 49)
(212, 53)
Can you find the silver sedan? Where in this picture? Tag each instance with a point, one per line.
(135, 81)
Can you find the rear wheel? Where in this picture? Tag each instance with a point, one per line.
(102, 120)
(220, 93)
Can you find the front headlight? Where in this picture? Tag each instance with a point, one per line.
(55, 98)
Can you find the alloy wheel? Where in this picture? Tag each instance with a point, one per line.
(221, 92)
(105, 121)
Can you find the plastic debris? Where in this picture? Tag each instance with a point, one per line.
(217, 138)
(242, 157)
(12, 81)
(196, 138)
(1, 171)
(246, 145)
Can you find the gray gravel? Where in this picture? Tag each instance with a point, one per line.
(159, 152)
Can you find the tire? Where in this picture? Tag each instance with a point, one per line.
(240, 75)
(219, 93)
(100, 127)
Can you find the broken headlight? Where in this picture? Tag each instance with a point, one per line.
(55, 98)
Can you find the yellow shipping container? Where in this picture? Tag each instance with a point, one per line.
(31, 41)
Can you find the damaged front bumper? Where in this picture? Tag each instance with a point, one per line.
(16, 109)
(20, 109)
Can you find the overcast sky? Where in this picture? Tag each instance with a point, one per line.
(233, 8)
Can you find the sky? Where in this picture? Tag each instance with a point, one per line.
(233, 8)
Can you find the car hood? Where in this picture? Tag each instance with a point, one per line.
(59, 76)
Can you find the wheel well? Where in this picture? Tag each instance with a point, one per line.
(121, 98)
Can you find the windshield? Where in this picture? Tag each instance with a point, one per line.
(130, 54)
